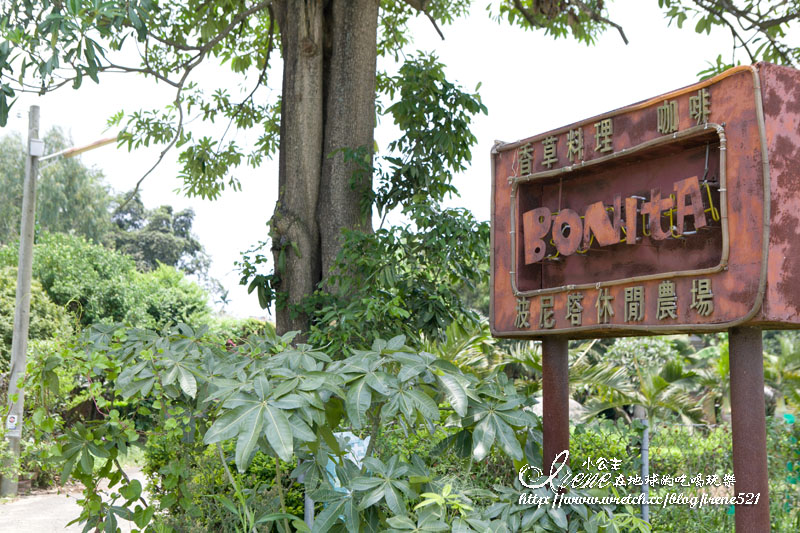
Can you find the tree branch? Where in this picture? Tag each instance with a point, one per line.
(261, 77)
(189, 66)
(422, 7)
(597, 17)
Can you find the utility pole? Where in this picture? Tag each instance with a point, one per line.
(22, 309)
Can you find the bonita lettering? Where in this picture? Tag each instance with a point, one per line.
(569, 230)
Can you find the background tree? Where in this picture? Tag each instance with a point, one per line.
(70, 197)
(74, 199)
(156, 236)
(97, 284)
(323, 122)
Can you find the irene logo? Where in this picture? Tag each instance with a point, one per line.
(531, 476)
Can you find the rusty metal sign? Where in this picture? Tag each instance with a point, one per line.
(679, 213)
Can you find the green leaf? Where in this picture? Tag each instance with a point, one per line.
(187, 382)
(455, 393)
(228, 425)
(394, 500)
(132, 490)
(328, 517)
(559, 517)
(272, 517)
(507, 439)
(483, 438)
(425, 404)
(358, 400)
(364, 483)
(279, 432)
(262, 386)
(395, 343)
(248, 438)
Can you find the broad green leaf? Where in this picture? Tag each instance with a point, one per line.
(483, 438)
(328, 517)
(262, 386)
(395, 343)
(300, 430)
(394, 500)
(378, 382)
(290, 401)
(558, 516)
(455, 393)
(365, 483)
(228, 425)
(171, 376)
(132, 490)
(506, 437)
(248, 438)
(285, 387)
(401, 522)
(372, 497)
(517, 417)
(351, 516)
(329, 438)
(187, 382)
(272, 517)
(279, 432)
(359, 398)
(426, 405)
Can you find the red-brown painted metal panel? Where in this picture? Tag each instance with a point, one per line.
(566, 203)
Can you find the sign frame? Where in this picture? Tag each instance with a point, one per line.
(617, 329)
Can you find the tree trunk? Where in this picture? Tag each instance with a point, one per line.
(294, 231)
(350, 62)
(328, 103)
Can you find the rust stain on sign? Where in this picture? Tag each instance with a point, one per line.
(661, 217)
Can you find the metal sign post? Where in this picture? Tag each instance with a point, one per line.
(672, 215)
(748, 428)
(555, 399)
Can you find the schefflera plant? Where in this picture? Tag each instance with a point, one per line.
(290, 400)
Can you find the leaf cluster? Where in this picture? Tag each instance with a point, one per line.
(408, 279)
(291, 401)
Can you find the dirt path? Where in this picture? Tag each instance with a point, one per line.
(48, 512)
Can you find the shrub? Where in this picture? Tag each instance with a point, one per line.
(206, 482)
(100, 285)
(270, 398)
(47, 320)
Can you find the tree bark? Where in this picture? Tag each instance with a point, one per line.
(349, 70)
(294, 231)
(328, 103)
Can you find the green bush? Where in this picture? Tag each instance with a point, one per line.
(237, 330)
(607, 439)
(207, 482)
(88, 279)
(100, 285)
(168, 297)
(709, 451)
(48, 320)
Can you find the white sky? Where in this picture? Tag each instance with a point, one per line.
(530, 84)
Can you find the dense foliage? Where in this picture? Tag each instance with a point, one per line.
(156, 236)
(97, 284)
(47, 321)
(289, 402)
(74, 199)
